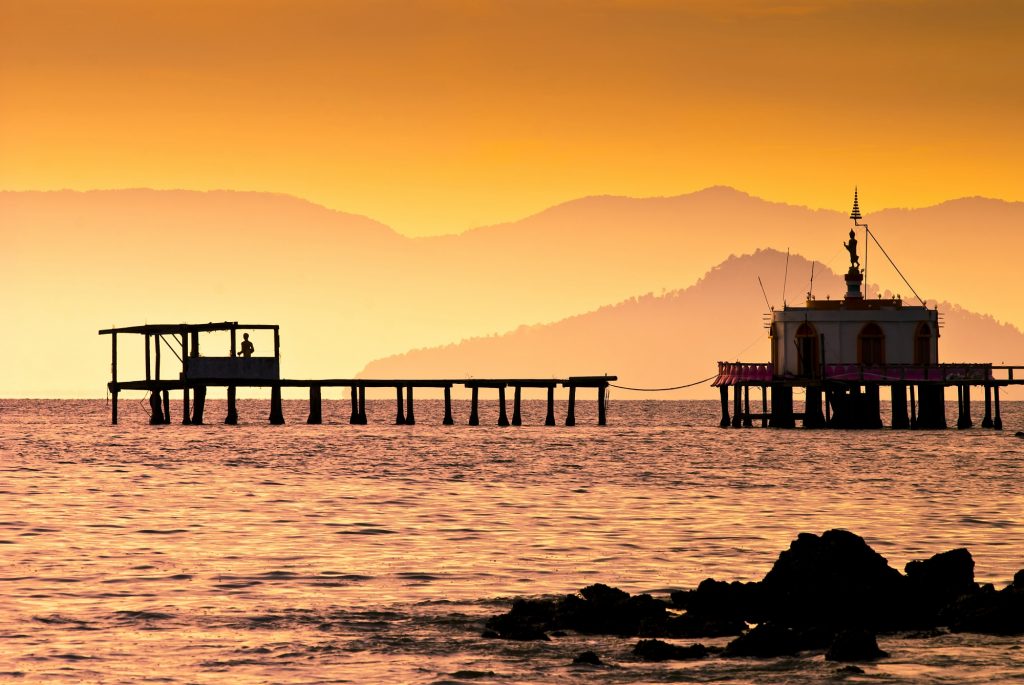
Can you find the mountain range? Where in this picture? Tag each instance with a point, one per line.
(348, 290)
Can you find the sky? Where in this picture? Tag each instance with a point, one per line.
(435, 117)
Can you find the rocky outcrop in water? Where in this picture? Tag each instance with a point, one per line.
(826, 592)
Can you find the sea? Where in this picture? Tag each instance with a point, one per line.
(373, 554)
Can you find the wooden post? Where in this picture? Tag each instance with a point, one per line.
(963, 417)
(747, 421)
(232, 418)
(315, 406)
(362, 405)
(764, 406)
(898, 394)
(277, 343)
(913, 407)
(517, 400)
(234, 341)
(354, 419)
(737, 407)
(194, 347)
(997, 422)
(167, 404)
(813, 417)
(502, 416)
(570, 416)
(186, 410)
(113, 379)
(967, 406)
(199, 405)
(147, 357)
(400, 415)
(602, 417)
(156, 372)
(448, 420)
(156, 414)
(724, 392)
(986, 421)
(410, 417)
(276, 414)
(474, 416)
(549, 420)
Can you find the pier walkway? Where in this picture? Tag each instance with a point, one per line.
(198, 373)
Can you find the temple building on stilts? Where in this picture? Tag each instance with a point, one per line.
(841, 353)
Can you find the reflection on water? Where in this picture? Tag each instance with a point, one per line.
(372, 553)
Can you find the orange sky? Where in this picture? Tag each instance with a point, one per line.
(437, 116)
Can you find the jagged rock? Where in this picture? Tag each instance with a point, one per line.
(855, 645)
(850, 670)
(656, 650)
(770, 640)
(833, 581)
(527, 620)
(988, 611)
(718, 599)
(589, 658)
(1019, 434)
(936, 582)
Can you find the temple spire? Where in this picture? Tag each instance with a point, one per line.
(855, 213)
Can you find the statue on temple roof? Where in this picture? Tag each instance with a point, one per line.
(851, 247)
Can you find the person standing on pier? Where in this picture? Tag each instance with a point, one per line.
(247, 347)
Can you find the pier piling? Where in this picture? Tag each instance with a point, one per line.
(362, 405)
(748, 422)
(199, 405)
(517, 400)
(186, 409)
(549, 420)
(502, 416)
(410, 416)
(986, 421)
(764, 407)
(354, 418)
(276, 414)
(602, 418)
(737, 419)
(724, 394)
(898, 397)
(315, 405)
(400, 416)
(231, 419)
(570, 416)
(448, 420)
(997, 422)
(474, 414)
(156, 414)
(167, 404)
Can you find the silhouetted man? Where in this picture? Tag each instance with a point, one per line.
(247, 347)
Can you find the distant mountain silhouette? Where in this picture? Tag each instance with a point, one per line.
(675, 338)
(347, 289)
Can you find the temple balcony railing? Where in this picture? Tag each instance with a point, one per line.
(737, 373)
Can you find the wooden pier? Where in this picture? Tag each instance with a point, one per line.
(849, 395)
(199, 373)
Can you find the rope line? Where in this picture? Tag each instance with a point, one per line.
(677, 387)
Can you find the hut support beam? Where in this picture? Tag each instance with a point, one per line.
(549, 420)
(410, 416)
(232, 416)
(354, 418)
(898, 394)
(276, 414)
(602, 416)
(167, 404)
(199, 405)
(764, 406)
(186, 409)
(986, 421)
(570, 416)
(737, 420)
(156, 413)
(362, 405)
(747, 421)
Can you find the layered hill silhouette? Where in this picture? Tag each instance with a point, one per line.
(347, 290)
(678, 337)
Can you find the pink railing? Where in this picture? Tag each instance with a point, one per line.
(732, 373)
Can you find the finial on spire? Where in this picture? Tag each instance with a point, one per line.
(855, 214)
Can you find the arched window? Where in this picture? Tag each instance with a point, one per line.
(807, 350)
(923, 344)
(871, 345)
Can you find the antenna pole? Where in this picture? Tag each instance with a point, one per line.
(765, 294)
(810, 292)
(785, 278)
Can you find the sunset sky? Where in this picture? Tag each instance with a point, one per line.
(434, 117)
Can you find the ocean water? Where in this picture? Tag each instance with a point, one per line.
(373, 554)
